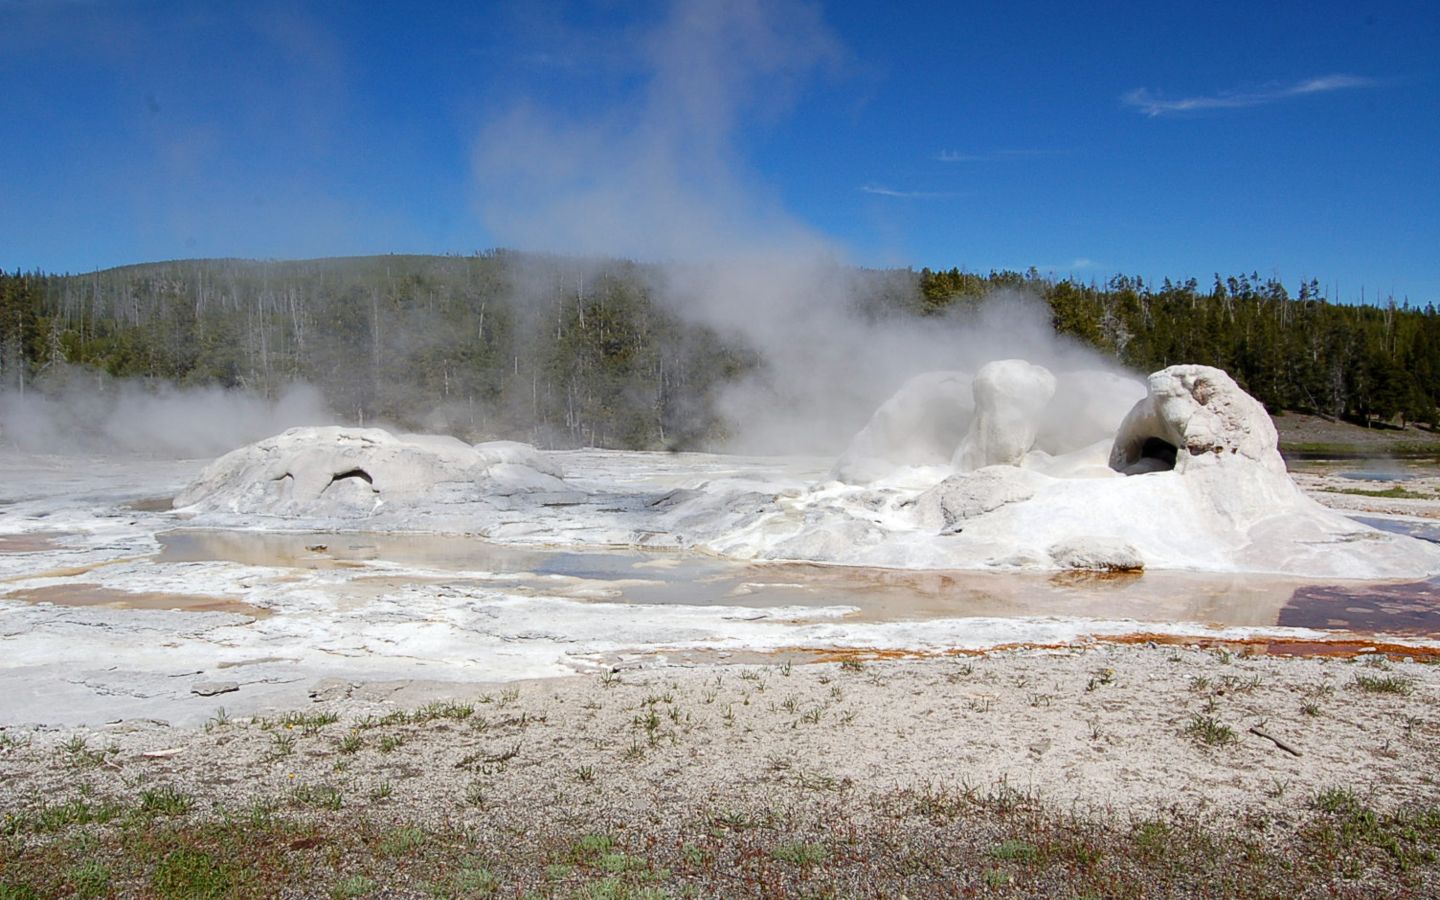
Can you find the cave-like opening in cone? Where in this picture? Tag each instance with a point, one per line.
(1159, 454)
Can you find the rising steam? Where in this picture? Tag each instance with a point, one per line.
(664, 181)
(93, 415)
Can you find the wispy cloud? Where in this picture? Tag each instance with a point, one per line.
(1079, 264)
(956, 156)
(1152, 104)
(881, 191)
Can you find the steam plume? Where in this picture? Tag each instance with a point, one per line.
(95, 415)
(665, 181)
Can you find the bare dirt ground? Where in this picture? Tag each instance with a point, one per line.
(765, 780)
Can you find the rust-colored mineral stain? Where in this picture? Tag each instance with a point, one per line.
(1340, 648)
(81, 595)
(1351, 649)
(1343, 648)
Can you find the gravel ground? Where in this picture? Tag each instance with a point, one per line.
(1105, 729)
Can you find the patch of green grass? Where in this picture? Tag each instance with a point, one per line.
(9, 741)
(221, 719)
(616, 863)
(402, 841)
(590, 846)
(89, 879)
(319, 796)
(1017, 851)
(190, 874)
(472, 879)
(1210, 731)
(166, 800)
(614, 888)
(353, 886)
(51, 818)
(800, 854)
(455, 712)
(558, 871)
(381, 791)
(78, 754)
(1397, 492)
(281, 745)
(1383, 684)
(309, 723)
(1002, 840)
(1336, 800)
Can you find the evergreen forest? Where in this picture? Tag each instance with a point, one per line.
(568, 352)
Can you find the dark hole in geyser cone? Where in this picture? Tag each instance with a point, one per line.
(1160, 454)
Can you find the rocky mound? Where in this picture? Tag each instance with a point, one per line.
(345, 473)
(1194, 417)
(1010, 412)
(1010, 398)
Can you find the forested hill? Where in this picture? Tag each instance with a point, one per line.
(569, 352)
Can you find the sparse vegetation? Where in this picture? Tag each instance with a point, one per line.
(800, 854)
(1210, 731)
(607, 821)
(165, 801)
(1383, 684)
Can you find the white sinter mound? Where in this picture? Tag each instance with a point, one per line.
(1010, 398)
(349, 473)
(1065, 423)
(1194, 481)
(921, 425)
(1002, 470)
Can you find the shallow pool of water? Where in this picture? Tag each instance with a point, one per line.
(663, 578)
(82, 595)
(1375, 475)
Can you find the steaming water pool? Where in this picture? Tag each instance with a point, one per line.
(111, 607)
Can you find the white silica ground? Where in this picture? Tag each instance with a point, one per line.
(113, 606)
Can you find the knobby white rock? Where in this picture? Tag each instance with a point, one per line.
(346, 473)
(1010, 397)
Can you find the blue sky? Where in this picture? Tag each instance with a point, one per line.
(1298, 140)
